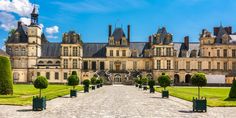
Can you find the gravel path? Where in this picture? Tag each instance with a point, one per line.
(114, 102)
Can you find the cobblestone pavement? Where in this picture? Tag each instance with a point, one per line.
(114, 102)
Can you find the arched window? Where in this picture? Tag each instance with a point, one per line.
(49, 62)
(40, 62)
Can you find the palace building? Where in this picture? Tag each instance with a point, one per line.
(119, 60)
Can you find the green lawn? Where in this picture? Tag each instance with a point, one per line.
(23, 94)
(216, 96)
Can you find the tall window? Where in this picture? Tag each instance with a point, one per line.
(75, 51)
(48, 75)
(225, 66)
(218, 65)
(199, 65)
(102, 66)
(74, 63)
(135, 65)
(56, 75)
(209, 65)
(94, 65)
(233, 53)
(225, 53)
(158, 51)
(176, 65)
(111, 53)
(79, 51)
(168, 51)
(65, 76)
(65, 51)
(117, 53)
(218, 53)
(111, 65)
(158, 64)
(85, 65)
(65, 63)
(123, 53)
(188, 65)
(209, 54)
(168, 64)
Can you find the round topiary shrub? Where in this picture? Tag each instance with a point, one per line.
(144, 81)
(93, 80)
(232, 93)
(40, 83)
(73, 80)
(151, 83)
(74, 73)
(98, 81)
(6, 79)
(101, 80)
(199, 80)
(164, 81)
(86, 83)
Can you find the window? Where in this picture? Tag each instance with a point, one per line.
(209, 54)
(168, 51)
(111, 65)
(158, 64)
(158, 51)
(135, 65)
(218, 53)
(117, 53)
(102, 66)
(56, 75)
(111, 53)
(38, 73)
(199, 65)
(65, 63)
(225, 66)
(168, 64)
(75, 52)
(233, 53)
(65, 76)
(225, 52)
(188, 65)
(85, 65)
(209, 65)
(48, 75)
(123, 53)
(94, 65)
(74, 63)
(79, 51)
(218, 65)
(65, 51)
(147, 65)
(176, 65)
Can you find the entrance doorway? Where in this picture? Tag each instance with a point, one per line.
(176, 79)
(188, 78)
(117, 78)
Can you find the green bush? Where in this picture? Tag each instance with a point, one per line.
(98, 81)
(136, 80)
(74, 73)
(73, 80)
(93, 80)
(144, 81)
(151, 83)
(232, 93)
(6, 79)
(164, 81)
(199, 79)
(40, 83)
(101, 80)
(86, 83)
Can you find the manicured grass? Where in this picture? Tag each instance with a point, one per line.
(24, 93)
(216, 96)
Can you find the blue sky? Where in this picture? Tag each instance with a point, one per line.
(91, 18)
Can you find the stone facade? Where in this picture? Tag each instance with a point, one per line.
(119, 60)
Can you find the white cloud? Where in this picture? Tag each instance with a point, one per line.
(52, 30)
(7, 21)
(25, 20)
(20, 7)
(52, 37)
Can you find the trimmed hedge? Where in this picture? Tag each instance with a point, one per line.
(232, 93)
(73, 80)
(6, 78)
(164, 80)
(93, 80)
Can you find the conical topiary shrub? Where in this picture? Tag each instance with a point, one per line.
(6, 79)
(232, 93)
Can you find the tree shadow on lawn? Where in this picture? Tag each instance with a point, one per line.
(230, 99)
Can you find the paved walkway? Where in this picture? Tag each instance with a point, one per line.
(114, 102)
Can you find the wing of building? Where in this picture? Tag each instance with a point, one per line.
(119, 60)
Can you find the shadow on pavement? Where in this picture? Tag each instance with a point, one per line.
(24, 110)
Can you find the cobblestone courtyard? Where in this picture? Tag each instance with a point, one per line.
(116, 101)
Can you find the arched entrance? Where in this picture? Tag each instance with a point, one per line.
(117, 78)
(188, 78)
(176, 78)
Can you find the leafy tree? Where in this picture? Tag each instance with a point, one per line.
(73, 80)
(199, 79)
(6, 79)
(151, 83)
(232, 93)
(164, 81)
(86, 83)
(101, 79)
(98, 81)
(144, 81)
(93, 80)
(40, 83)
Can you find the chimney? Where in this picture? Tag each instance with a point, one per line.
(19, 24)
(186, 42)
(216, 30)
(128, 33)
(110, 30)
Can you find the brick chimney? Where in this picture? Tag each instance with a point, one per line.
(110, 30)
(186, 42)
(128, 33)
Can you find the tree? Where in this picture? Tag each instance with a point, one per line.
(232, 93)
(40, 83)
(73, 80)
(6, 79)
(86, 83)
(199, 80)
(93, 80)
(144, 81)
(151, 83)
(164, 81)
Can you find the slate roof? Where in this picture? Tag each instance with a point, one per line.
(118, 34)
(193, 46)
(140, 46)
(94, 50)
(220, 34)
(69, 38)
(23, 38)
(51, 50)
(3, 53)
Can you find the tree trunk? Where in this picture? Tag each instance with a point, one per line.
(39, 93)
(73, 87)
(198, 92)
